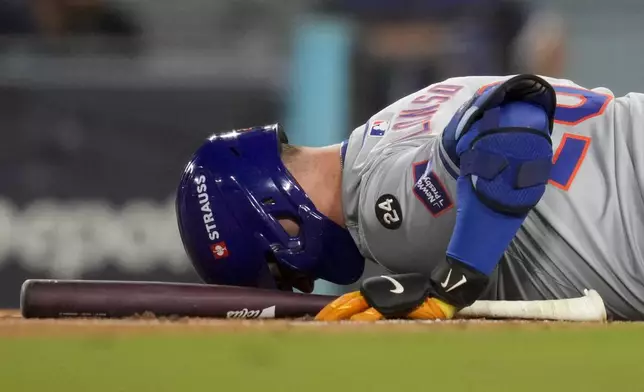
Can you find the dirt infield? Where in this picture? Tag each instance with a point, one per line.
(12, 324)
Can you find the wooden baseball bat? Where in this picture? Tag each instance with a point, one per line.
(113, 299)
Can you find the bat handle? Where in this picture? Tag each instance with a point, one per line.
(590, 307)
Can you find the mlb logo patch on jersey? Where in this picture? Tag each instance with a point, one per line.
(379, 127)
(429, 189)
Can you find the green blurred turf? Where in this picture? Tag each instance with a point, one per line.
(490, 358)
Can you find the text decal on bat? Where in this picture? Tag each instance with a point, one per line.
(251, 314)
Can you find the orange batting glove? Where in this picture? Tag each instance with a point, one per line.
(388, 294)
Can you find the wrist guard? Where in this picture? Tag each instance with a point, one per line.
(457, 283)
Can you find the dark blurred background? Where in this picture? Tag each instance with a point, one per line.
(103, 101)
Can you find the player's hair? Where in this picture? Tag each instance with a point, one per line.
(289, 152)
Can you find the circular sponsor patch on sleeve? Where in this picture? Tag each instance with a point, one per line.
(388, 212)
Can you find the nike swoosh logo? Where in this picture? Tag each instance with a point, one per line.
(444, 284)
(398, 288)
(459, 283)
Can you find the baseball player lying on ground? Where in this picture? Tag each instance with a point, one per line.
(514, 188)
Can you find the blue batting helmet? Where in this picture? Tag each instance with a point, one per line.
(229, 202)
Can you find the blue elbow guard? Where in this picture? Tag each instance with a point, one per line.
(501, 142)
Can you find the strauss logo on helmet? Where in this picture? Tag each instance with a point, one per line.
(204, 201)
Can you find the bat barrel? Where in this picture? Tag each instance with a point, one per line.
(112, 299)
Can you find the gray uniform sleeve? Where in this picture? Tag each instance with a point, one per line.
(402, 207)
(398, 189)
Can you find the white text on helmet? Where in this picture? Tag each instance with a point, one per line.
(204, 201)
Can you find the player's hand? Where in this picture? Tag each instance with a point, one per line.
(396, 296)
(343, 307)
(353, 306)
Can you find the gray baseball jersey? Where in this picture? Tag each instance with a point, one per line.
(400, 203)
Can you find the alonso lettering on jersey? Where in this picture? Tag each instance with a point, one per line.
(424, 106)
(204, 202)
(429, 189)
